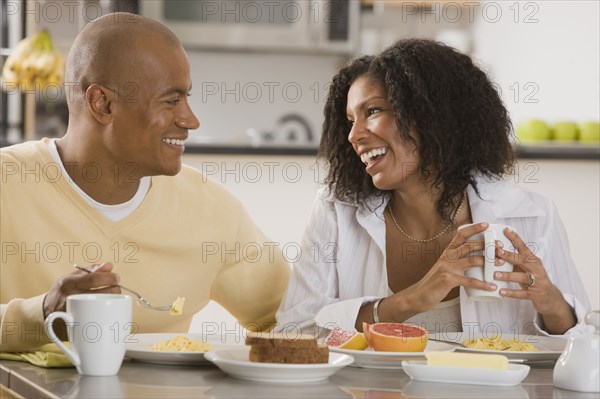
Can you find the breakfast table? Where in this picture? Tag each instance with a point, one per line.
(145, 380)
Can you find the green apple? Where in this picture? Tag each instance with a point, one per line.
(589, 131)
(564, 131)
(533, 130)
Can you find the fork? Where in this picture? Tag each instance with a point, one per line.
(141, 299)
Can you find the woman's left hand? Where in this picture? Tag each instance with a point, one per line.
(531, 274)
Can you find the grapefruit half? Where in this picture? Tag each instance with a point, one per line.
(366, 327)
(397, 337)
(345, 339)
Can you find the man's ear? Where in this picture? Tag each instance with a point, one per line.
(98, 100)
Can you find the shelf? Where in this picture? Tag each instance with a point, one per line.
(413, 4)
(554, 150)
(523, 151)
(248, 150)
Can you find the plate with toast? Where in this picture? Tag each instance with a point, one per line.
(277, 358)
(237, 364)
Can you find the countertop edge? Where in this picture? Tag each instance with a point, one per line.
(584, 152)
(543, 151)
(243, 150)
(559, 152)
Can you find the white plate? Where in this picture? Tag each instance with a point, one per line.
(235, 362)
(549, 348)
(418, 370)
(390, 360)
(138, 348)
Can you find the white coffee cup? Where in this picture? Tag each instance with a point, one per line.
(494, 232)
(97, 326)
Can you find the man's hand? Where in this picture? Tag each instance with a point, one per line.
(102, 280)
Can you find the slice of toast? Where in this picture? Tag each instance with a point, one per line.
(280, 348)
(267, 354)
(281, 340)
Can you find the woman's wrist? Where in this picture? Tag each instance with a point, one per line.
(561, 318)
(395, 309)
(392, 309)
(376, 310)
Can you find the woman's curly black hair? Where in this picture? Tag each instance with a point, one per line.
(461, 124)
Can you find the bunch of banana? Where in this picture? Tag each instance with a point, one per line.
(33, 65)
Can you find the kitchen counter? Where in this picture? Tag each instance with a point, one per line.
(528, 151)
(140, 380)
(249, 150)
(550, 150)
(540, 150)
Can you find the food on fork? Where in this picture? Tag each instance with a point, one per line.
(468, 360)
(180, 343)
(286, 348)
(177, 307)
(499, 344)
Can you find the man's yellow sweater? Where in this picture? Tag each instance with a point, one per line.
(188, 238)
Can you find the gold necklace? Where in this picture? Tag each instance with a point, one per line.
(438, 234)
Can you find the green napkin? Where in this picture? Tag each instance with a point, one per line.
(48, 355)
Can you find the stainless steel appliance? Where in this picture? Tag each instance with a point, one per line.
(325, 26)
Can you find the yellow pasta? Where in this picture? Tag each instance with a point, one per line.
(499, 344)
(182, 344)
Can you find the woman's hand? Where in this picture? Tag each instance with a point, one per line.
(449, 271)
(101, 280)
(536, 286)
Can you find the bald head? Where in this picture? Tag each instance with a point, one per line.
(109, 50)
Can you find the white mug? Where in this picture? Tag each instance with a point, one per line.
(97, 326)
(494, 232)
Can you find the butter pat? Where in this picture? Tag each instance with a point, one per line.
(177, 307)
(468, 360)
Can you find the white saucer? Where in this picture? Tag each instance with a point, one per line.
(418, 370)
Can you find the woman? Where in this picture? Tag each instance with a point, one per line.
(416, 140)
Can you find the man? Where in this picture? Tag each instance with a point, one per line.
(113, 190)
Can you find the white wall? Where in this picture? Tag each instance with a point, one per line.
(574, 187)
(279, 198)
(280, 202)
(553, 46)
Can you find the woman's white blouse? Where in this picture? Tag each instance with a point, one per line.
(343, 262)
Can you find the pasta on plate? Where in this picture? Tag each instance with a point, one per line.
(499, 344)
(182, 344)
